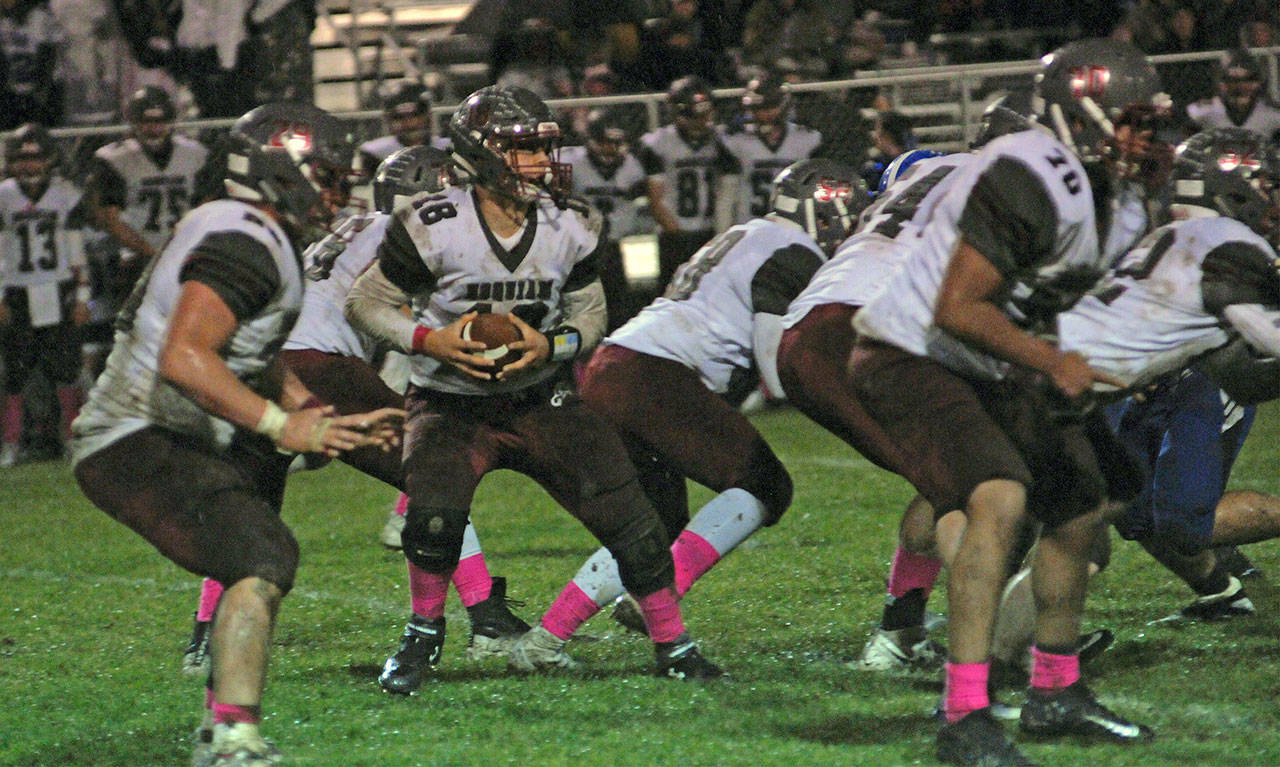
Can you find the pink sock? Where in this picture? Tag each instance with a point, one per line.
(69, 404)
(472, 580)
(210, 593)
(402, 504)
(427, 592)
(12, 428)
(966, 689)
(1053, 672)
(662, 615)
(693, 556)
(227, 713)
(570, 610)
(912, 571)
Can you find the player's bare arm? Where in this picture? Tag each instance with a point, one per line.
(201, 325)
(966, 311)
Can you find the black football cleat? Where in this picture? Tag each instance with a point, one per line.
(1075, 711)
(195, 659)
(419, 653)
(681, 660)
(978, 740)
(494, 628)
(1231, 602)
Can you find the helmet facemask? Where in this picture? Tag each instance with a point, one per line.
(531, 162)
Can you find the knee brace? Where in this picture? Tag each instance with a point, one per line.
(767, 479)
(626, 524)
(432, 537)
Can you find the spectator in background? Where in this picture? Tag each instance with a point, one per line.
(679, 44)
(1145, 26)
(600, 80)
(860, 46)
(536, 62)
(1223, 21)
(281, 60)
(1240, 102)
(793, 34)
(31, 89)
(209, 39)
(1185, 81)
(891, 136)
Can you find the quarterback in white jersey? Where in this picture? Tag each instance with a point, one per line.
(182, 436)
(657, 380)
(508, 243)
(44, 281)
(140, 186)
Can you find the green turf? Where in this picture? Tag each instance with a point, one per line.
(92, 624)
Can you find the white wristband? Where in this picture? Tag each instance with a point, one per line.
(271, 424)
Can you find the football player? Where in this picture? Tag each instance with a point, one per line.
(689, 172)
(181, 436)
(1241, 101)
(1015, 241)
(609, 176)
(44, 279)
(1205, 290)
(766, 141)
(137, 190)
(140, 186)
(407, 113)
(337, 364)
(510, 242)
(659, 381)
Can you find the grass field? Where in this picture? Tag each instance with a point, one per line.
(93, 621)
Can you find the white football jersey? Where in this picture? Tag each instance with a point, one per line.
(704, 320)
(321, 325)
(612, 192)
(864, 263)
(440, 251)
(688, 174)
(152, 198)
(761, 163)
(1263, 119)
(40, 240)
(1163, 305)
(237, 250)
(1027, 206)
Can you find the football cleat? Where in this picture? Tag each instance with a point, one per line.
(419, 652)
(390, 535)
(494, 628)
(195, 659)
(899, 650)
(978, 740)
(1234, 561)
(1231, 602)
(540, 650)
(627, 613)
(202, 750)
(240, 745)
(681, 660)
(1075, 711)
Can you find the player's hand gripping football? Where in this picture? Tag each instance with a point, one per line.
(534, 349)
(448, 345)
(322, 430)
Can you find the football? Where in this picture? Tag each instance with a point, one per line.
(495, 331)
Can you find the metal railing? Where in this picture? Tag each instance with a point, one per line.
(946, 124)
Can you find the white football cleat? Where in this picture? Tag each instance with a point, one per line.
(900, 650)
(239, 745)
(540, 650)
(391, 531)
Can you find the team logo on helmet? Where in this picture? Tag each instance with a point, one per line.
(1089, 82)
(297, 139)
